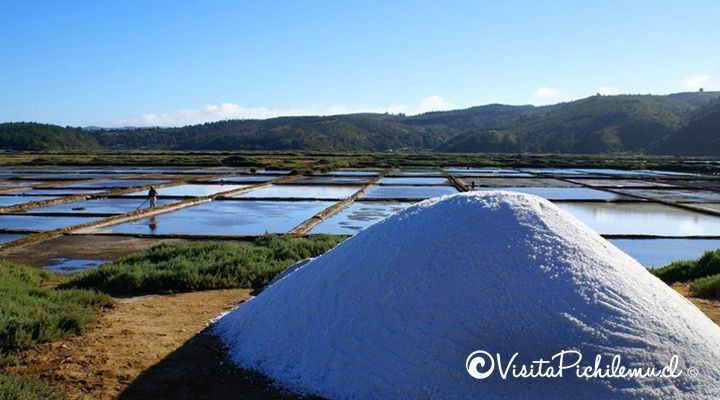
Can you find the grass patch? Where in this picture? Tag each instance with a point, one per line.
(706, 287)
(702, 274)
(20, 388)
(193, 266)
(684, 271)
(31, 313)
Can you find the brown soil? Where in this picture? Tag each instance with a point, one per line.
(160, 347)
(149, 347)
(711, 307)
(106, 248)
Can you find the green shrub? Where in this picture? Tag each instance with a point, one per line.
(31, 313)
(683, 271)
(19, 388)
(192, 266)
(706, 287)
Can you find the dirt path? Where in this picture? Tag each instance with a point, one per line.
(711, 307)
(139, 333)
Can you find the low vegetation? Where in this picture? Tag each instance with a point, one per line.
(31, 312)
(20, 388)
(702, 275)
(192, 266)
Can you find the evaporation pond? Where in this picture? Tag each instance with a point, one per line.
(561, 193)
(417, 172)
(642, 219)
(9, 237)
(7, 201)
(39, 222)
(516, 182)
(190, 190)
(72, 265)
(301, 192)
(676, 195)
(332, 180)
(413, 181)
(655, 253)
(348, 172)
(59, 191)
(113, 205)
(227, 217)
(356, 217)
(407, 192)
(117, 183)
(480, 171)
(620, 183)
(244, 179)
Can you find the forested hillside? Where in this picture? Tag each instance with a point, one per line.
(682, 123)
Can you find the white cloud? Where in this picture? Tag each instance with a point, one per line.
(433, 103)
(547, 93)
(695, 82)
(608, 91)
(224, 111)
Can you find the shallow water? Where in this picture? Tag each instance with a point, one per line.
(101, 206)
(416, 172)
(244, 179)
(675, 195)
(620, 183)
(347, 172)
(6, 201)
(9, 237)
(301, 192)
(517, 182)
(407, 192)
(472, 170)
(40, 223)
(191, 190)
(72, 265)
(59, 191)
(117, 183)
(642, 219)
(413, 181)
(227, 217)
(333, 180)
(19, 183)
(357, 216)
(655, 253)
(552, 193)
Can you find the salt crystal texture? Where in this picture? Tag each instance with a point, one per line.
(394, 311)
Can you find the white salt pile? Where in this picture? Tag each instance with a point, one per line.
(395, 311)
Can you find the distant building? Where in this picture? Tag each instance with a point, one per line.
(702, 90)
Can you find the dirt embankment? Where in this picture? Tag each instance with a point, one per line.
(140, 336)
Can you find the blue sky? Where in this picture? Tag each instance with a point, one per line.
(174, 62)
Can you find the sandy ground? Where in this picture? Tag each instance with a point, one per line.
(159, 347)
(95, 247)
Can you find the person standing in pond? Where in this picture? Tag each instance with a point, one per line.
(152, 196)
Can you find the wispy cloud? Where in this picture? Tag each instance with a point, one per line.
(547, 93)
(695, 82)
(608, 90)
(433, 103)
(225, 111)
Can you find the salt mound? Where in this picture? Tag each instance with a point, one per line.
(395, 311)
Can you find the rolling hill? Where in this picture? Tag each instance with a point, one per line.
(681, 123)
